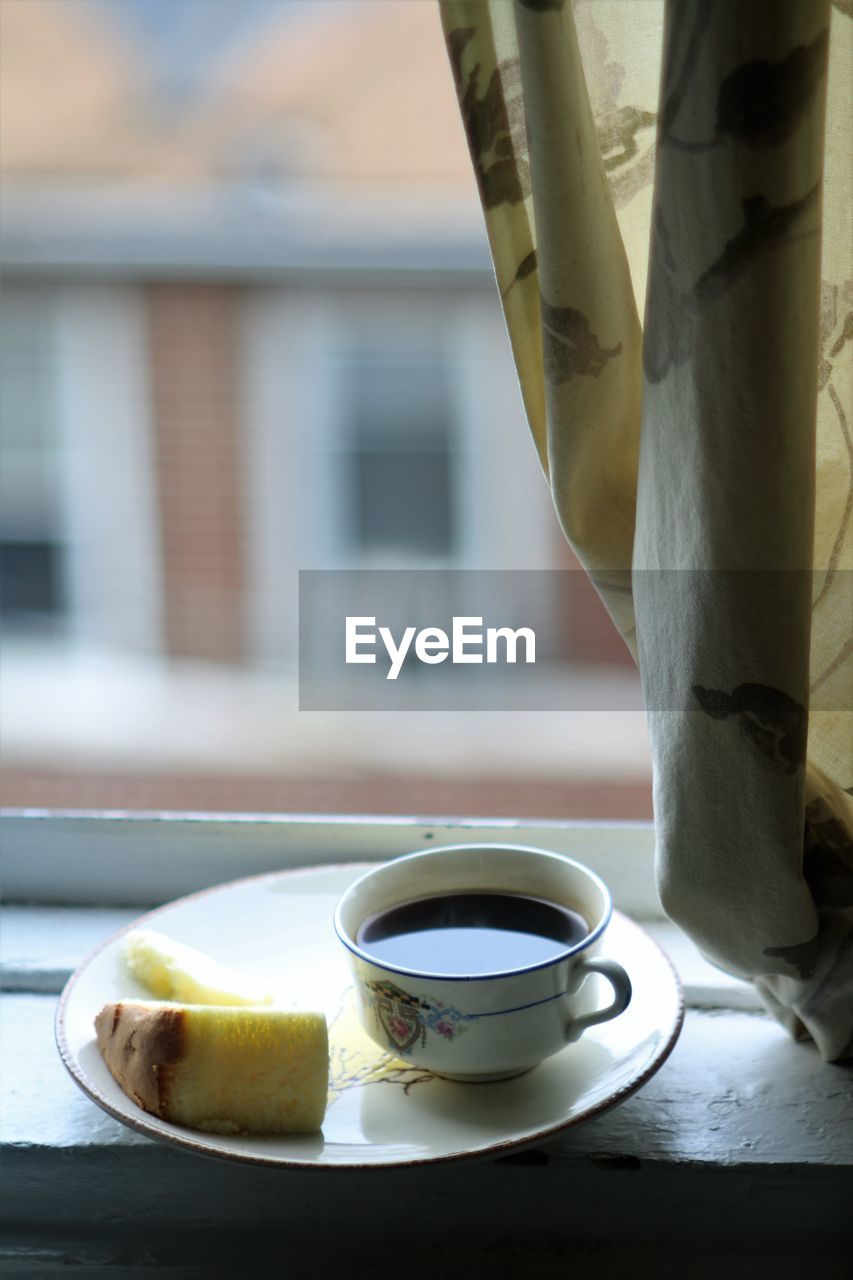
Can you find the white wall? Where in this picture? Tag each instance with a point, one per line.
(108, 478)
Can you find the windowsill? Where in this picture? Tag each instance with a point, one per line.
(742, 1134)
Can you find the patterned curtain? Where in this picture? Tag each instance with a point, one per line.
(693, 158)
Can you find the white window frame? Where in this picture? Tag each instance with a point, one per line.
(109, 467)
(104, 858)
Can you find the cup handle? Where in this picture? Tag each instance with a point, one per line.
(618, 979)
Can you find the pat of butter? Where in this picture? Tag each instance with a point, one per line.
(173, 971)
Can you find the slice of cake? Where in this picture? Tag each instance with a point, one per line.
(173, 971)
(223, 1070)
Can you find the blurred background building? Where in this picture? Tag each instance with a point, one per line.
(248, 325)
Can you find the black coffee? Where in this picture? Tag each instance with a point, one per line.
(467, 934)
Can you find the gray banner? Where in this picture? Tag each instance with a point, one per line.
(469, 640)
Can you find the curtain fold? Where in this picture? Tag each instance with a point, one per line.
(690, 160)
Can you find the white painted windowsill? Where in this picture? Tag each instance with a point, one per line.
(740, 1131)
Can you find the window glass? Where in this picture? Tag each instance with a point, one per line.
(399, 456)
(250, 327)
(31, 535)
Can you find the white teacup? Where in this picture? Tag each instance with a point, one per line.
(487, 1026)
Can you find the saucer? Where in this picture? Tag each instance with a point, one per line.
(382, 1110)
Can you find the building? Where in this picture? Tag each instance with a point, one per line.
(249, 326)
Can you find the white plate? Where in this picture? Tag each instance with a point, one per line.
(382, 1111)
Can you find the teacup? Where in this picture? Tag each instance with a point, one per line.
(478, 1026)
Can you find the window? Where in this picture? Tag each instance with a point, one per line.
(215, 377)
(32, 551)
(398, 455)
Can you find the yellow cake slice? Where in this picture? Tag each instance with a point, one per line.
(220, 1069)
(173, 971)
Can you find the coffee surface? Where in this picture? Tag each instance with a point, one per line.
(470, 934)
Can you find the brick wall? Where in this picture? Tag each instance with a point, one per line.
(589, 635)
(192, 351)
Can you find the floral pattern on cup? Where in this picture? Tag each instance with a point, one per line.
(407, 1019)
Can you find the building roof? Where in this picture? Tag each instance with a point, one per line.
(352, 92)
(322, 135)
(73, 97)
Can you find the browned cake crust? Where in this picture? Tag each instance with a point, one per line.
(140, 1048)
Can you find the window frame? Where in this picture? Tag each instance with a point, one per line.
(116, 857)
(102, 455)
(291, 338)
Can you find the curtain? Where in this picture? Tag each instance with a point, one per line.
(692, 160)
